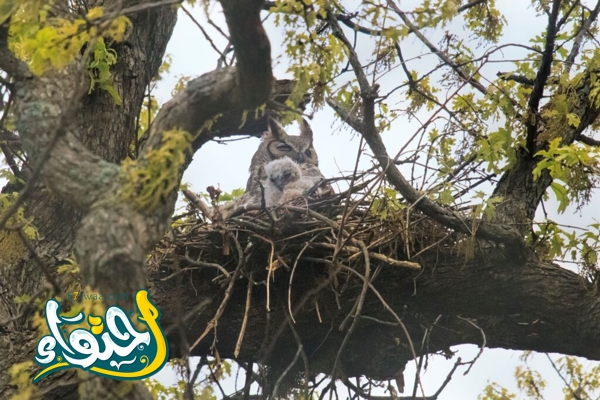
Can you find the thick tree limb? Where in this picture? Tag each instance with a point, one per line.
(532, 306)
(252, 49)
(107, 130)
(121, 235)
(114, 236)
(588, 140)
(520, 191)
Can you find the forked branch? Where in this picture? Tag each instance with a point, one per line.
(367, 128)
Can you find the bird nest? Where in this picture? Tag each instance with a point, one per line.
(346, 230)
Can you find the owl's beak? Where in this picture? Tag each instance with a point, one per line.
(279, 182)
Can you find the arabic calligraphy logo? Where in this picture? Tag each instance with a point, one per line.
(112, 347)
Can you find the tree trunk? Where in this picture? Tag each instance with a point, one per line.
(107, 130)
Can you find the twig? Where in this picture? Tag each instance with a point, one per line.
(574, 393)
(302, 353)
(359, 306)
(472, 362)
(248, 383)
(393, 313)
(377, 256)
(49, 277)
(214, 378)
(213, 322)
(205, 264)
(448, 378)
(292, 278)
(287, 370)
(28, 308)
(442, 55)
(206, 35)
(238, 345)
(189, 387)
(269, 273)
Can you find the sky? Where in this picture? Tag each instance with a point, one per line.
(337, 147)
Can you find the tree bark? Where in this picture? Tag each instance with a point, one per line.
(115, 233)
(107, 131)
(491, 300)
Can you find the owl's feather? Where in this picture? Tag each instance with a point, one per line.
(280, 175)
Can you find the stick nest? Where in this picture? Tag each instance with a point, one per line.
(326, 231)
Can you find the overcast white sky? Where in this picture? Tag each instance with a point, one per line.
(337, 148)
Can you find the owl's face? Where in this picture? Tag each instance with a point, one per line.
(282, 172)
(294, 147)
(277, 144)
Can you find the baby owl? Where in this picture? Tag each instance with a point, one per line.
(285, 181)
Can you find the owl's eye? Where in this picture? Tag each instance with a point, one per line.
(284, 147)
(308, 153)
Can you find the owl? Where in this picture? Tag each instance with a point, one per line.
(277, 144)
(285, 181)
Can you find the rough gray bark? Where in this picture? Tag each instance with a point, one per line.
(106, 130)
(522, 306)
(114, 235)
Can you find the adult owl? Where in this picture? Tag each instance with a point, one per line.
(277, 144)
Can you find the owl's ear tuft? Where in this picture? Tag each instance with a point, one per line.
(305, 130)
(275, 130)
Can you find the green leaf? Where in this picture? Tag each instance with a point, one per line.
(445, 197)
(573, 119)
(561, 195)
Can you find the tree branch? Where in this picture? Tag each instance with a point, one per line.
(116, 234)
(252, 50)
(540, 80)
(8, 61)
(507, 76)
(369, 131)
(443, 56)
(580, 36)
(123, 234)
(588, 140)
(531, 306)
(346, 17)
(470, 5)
